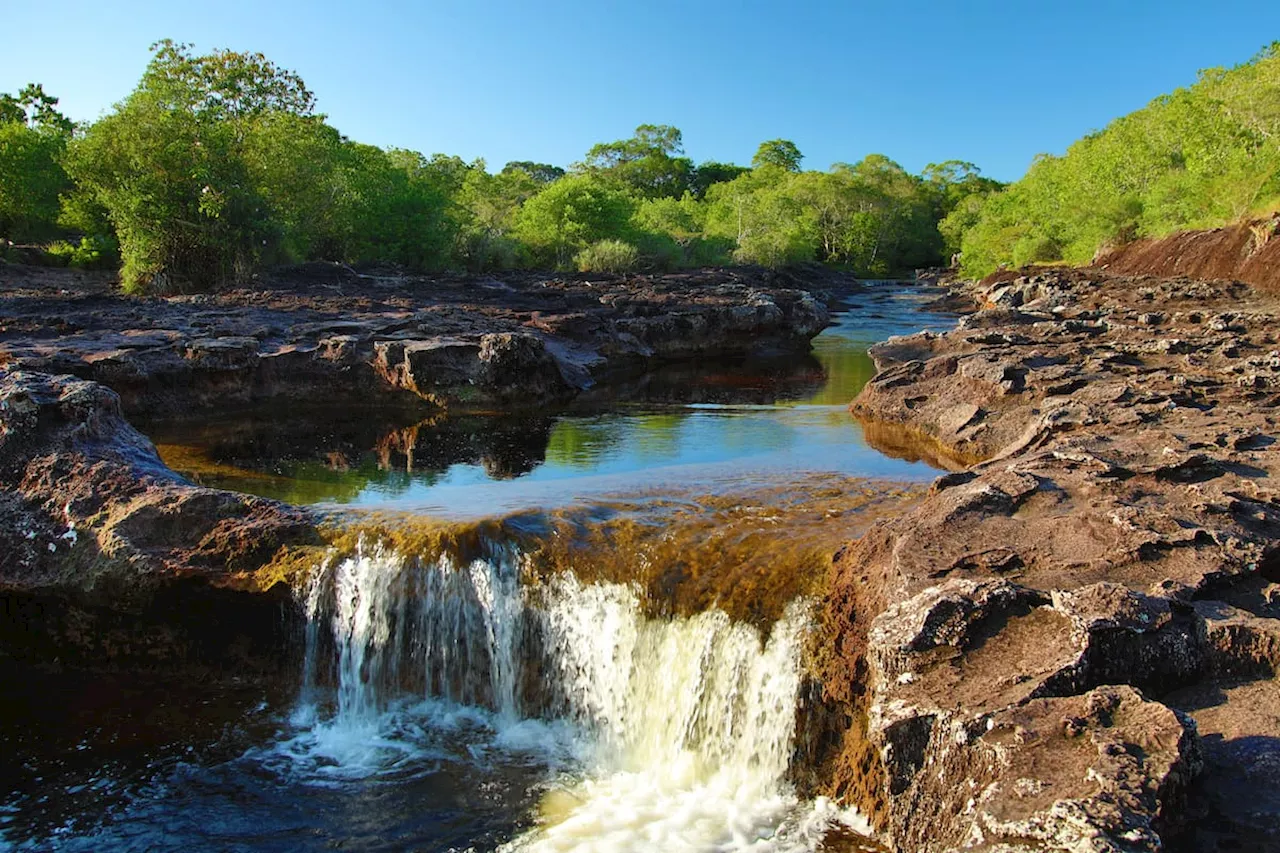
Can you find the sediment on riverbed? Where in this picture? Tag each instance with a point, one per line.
(1072, 644)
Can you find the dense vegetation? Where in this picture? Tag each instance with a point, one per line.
(1200, 157)
(217, 165)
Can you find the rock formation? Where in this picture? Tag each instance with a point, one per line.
(1050, 647)
(323, 332)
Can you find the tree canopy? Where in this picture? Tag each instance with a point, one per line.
(218, 164)
(33, 138)
(1197, 158)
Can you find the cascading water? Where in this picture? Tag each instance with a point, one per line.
(674, 733)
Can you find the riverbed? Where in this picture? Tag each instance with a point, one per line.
(459, 699)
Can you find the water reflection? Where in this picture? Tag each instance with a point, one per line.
(698, 424)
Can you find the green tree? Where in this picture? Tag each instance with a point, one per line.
(570, 215)
(764, 219)
(540, 173)
(709, 173)
(647, 164)
(168, 164)
(490, 205)
(1199, 157)
(399, 206)
(33, 138)
(781, 153)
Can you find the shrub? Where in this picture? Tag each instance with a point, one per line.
(92, 253)
(659, 252)
(1034, 249)
(608, 256)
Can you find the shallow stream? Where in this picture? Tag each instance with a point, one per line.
(615, 664)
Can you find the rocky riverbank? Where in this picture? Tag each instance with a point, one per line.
(325, 332)
(1072, 645)
(1069, 644)
(109, 557)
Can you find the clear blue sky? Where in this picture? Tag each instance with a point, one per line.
(991, 82)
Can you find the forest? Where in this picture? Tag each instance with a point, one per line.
(1201, 157)
(218, 165)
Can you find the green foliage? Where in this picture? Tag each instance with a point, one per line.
(570, 215)
(170, 167)
(33, 137)
(539, 173)
(93, 252)
(646, 164)
(488, 206)
(1200, 157)
(872, 217)
(781, 153)
(216, 165)
(710, 173)
(608, 256)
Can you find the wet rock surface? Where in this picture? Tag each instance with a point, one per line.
(101, 544)
(324, 332)
(1072, 644)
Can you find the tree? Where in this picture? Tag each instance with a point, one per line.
(169, 165)
(541, 173)
(33, 138)
(764, 219)
(489, 205)
(293, 164)
(781, 153)
(1199, 157)
(399, 206)
(223, 85)
(710, 173)
(646, 164)
(570, 215)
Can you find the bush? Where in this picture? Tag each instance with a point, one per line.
(1033, 249)
(659, 252)
(91, 253)
(480, 252)
(608, 256)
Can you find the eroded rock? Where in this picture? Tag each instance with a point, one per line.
(1119, 537)
(98, 539)
(323, 332)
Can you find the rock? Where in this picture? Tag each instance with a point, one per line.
(1104, 771)
(322, 333)
(98, 539)
(1114, 530)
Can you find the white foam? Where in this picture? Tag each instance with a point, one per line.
(661, 734)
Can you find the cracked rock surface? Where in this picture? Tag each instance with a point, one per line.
(101, 544)
(325, 332)
(1072, 643)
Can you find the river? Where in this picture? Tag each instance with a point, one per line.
(609, 656)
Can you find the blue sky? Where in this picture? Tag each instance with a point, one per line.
(991, 82)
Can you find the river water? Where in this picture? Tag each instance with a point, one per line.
(614, 666)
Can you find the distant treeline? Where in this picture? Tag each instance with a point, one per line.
(1198, 158)
(217, 165)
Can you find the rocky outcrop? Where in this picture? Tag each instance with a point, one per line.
(100, 543)
(326, 333)
(1046, 651)
(1247, 251)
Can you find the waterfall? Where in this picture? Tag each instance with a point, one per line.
(683, 726)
